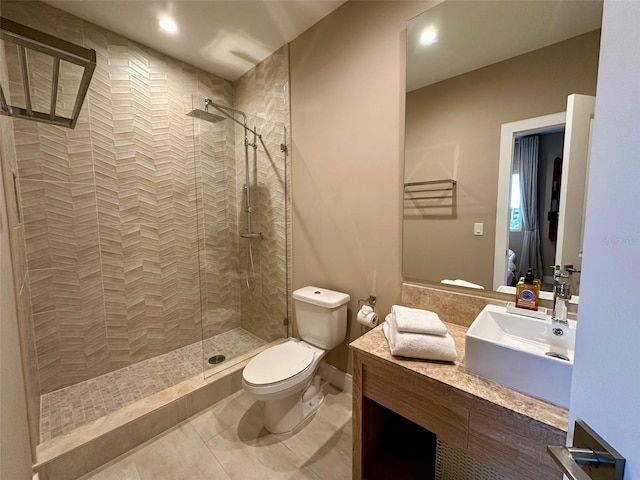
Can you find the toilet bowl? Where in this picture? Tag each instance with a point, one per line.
(282, 376)
(279, 376)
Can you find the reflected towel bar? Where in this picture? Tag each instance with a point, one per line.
(449, 181)
(440, 197)
(430, 186)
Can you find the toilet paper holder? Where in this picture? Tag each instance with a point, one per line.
(371, 301)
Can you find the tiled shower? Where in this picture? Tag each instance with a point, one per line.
(125, 230)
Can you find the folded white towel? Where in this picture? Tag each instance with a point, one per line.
(462, 283)
(418, 345)
(415, 320)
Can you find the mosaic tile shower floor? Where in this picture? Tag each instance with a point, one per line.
(69, 408)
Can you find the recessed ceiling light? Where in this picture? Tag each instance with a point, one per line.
(428, 36)
(168, 25)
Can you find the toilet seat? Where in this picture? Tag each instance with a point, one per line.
(278, 363)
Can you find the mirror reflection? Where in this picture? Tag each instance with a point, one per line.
(535, 173)
(483, 77)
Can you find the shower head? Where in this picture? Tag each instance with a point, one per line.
(202, 115)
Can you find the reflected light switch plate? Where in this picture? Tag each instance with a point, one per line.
(478, 228)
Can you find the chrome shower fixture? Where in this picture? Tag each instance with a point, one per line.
(205, 114)
(229, 112)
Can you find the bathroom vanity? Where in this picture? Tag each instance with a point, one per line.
(499, 427)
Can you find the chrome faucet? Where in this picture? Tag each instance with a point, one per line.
(561, 294)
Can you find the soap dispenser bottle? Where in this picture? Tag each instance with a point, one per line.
(528, 292)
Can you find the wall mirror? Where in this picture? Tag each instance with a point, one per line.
(485, 80)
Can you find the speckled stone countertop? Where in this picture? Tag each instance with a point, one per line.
(374, 344)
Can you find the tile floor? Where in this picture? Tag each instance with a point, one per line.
(69, 408)
(228, 442)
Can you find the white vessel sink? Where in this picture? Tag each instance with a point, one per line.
(513, 350)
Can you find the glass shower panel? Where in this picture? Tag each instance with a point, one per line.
(242, 246)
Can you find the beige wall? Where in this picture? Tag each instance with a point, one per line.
(459, 119)
(347, 94)
(15, 447)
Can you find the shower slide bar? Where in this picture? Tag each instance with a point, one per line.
(26, 38)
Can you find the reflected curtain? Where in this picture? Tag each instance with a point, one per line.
(526, 152)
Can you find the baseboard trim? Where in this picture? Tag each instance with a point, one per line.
(337, 377)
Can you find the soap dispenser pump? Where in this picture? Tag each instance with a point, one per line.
(528, 292)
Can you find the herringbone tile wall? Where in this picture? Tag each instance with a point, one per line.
(116, 212)
(215, 150)
(264, 93)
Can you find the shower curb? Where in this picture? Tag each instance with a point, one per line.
(90, 446)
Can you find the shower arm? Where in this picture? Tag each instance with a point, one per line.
(223, 110)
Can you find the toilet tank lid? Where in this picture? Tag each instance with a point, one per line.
(321, 297)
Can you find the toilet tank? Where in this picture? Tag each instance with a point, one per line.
(321, 316)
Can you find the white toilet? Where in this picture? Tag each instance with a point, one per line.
(282, 375)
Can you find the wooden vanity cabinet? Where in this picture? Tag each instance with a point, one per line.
(503, 439)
